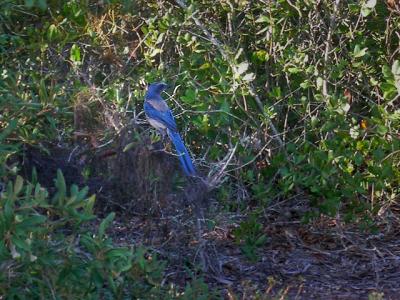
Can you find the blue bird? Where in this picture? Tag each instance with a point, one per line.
(160, 117)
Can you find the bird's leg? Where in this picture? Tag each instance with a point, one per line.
(160, 145)
(163, 133)
(166, 141)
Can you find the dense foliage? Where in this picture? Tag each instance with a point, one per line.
(47, 251)
(42, 252)
(307, 91)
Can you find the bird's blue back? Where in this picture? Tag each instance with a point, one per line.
(160, 116)
(156, 108)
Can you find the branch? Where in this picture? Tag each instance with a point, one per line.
(215, 180)
(332, 25)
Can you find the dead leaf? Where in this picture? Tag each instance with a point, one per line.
(348, 96)
(391, 4)
(363, 124)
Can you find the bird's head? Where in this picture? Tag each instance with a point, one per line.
(157, 87)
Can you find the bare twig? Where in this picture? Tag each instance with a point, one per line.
(328, 45)
(215, 180)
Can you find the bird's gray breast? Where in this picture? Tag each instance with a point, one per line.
(156, 124)
(159, 105)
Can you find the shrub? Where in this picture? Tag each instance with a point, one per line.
(49, 248)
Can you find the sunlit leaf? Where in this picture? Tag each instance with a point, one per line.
(242, 67)
(75, 54)
(365, 11)
(263, 19)
(370, 3)
(249, 77)
(396, 68)
(358, 52)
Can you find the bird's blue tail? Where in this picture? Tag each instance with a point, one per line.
(184, 157)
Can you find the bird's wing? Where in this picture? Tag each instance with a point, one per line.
(165, 117)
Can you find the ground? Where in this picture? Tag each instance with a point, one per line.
(319, 260)
(322, 259)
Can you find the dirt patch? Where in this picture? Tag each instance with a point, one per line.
(298, 261)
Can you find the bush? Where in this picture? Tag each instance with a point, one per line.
(49, 247)
(308, 91)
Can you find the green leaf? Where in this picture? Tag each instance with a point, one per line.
(88, 242)
(8, 130)
(205, 66)
(260, 56)
(242, 67)
(261, 240)
(61, 187)
(19, 182)
(370, 3)
(225, 107)
(249, 77)
(263, 19)
(305, 84)
(75, 54)
(40, 194)
(389, 90)
(20, 243)
(358, 159)
(293, 70)
(387, 72)
(365, 11)
(396, 68)
(34, 177)
(128, 147)
(42, 4)
(52, 32)
(190, 96)
(83, 193)
(276, 92)
(105, 223)
(378, 154)
(31, 222)
(320, 82)
(381, 129)
(74, 190)
(358, 52)
(90, 204)
(29, 3)
(8, 211)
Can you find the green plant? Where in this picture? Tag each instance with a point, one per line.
(198, 289)
(249, 235)
(47, 248)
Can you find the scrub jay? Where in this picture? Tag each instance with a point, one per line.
(160, 117)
